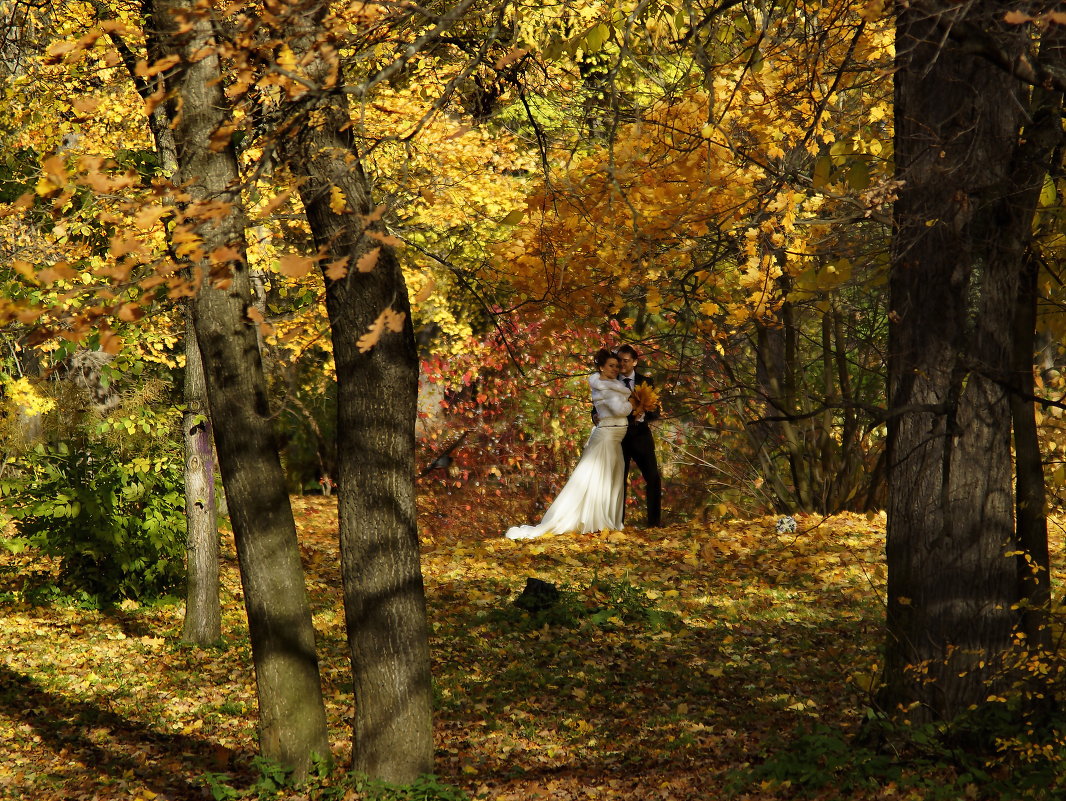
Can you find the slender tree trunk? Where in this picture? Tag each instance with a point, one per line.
(1041, 148)
(952, 587)
(292, 725)
(1034, 560)
(774, 357)
(203, 618)
(384, 599)
(830, 476)
(203, 613)
(850, 438)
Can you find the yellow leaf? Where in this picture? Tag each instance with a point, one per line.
(394, 320)
(143, 70)
(286, 58)
(148, 216)
(85, 105)
(58, 51)
(220, 137)
(375, 215)
(272, 206)
(597, 37)
(867, 682)
(368, 260)
(388, 319)
(373, 334)
(192, 727)
(336, 270)
(294, 265)
(121, 245)
(110, 343)
(386, 239)
(25, 269)
(514, 54)
(225, 254)
(129, 312)
(337, 201)
(425, 291)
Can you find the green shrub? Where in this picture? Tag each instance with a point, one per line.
(116, 523)
(275, 782)
(990, 753)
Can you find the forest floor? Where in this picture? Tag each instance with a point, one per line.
(681, 657)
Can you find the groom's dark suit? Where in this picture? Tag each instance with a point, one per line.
(639, 446)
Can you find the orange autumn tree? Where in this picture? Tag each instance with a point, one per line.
(731, 206)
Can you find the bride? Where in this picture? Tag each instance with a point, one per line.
(592, 498)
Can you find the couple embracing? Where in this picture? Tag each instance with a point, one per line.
(593, 499)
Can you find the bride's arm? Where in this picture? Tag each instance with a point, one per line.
(611, 398)
(615, 404)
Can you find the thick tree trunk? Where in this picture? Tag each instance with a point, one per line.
(384, 598)
(292, 726)
(952, 588)
(203, 614)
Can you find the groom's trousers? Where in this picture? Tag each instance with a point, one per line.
(639, 446)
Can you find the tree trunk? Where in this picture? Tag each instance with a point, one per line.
(292, 725)
(952, 588)
(1034, 560)
(775, 358)
(203, 624)
(1041, 145)
(384, 599)
(203, 614)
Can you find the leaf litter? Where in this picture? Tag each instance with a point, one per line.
(674, 657)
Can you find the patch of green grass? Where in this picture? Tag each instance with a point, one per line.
(326, 785)
(971, 758)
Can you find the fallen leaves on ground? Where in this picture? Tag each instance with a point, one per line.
(687, 650)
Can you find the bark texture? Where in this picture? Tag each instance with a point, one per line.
(292, 725)
(384, 598)
(1034, 560)
(962, 223)
(203, 613)
(203, 624)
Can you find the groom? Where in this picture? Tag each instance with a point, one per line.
(638, 445)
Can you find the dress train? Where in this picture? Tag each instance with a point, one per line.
(593, 496)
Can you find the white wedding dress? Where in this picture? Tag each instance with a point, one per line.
(592, 498)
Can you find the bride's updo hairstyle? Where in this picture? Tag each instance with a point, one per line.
(601, 357)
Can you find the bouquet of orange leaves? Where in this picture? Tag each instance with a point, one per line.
(646, 396)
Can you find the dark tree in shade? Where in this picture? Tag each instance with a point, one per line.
(973, 154)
